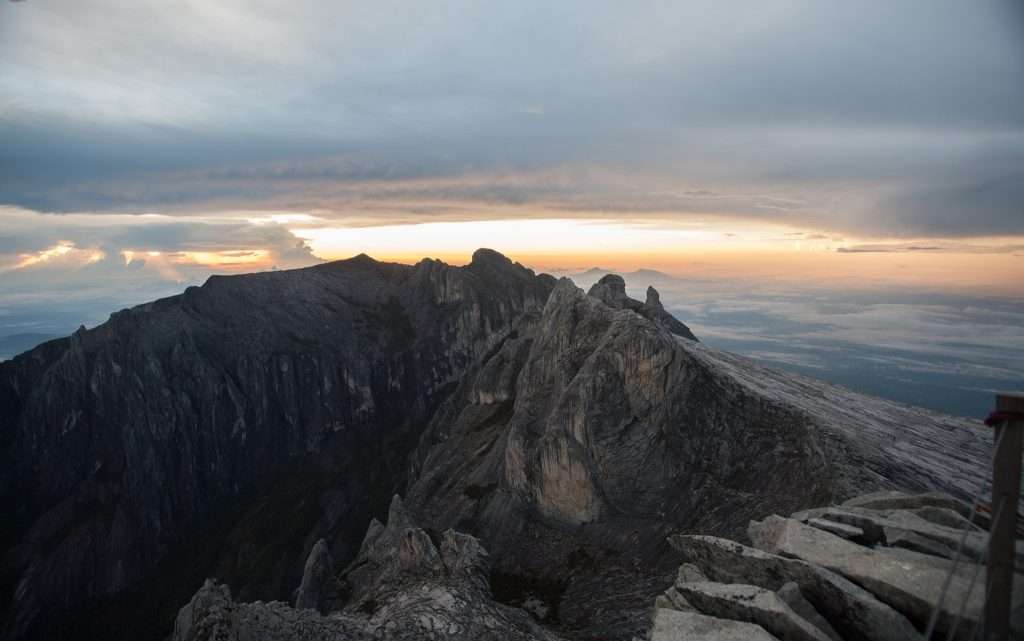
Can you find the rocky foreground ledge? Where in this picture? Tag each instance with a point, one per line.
(871, 569)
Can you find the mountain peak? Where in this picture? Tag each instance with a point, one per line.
(485, 256)
(611, 290)
(653, 298)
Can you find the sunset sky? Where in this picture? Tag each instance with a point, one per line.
(868, 145)
(764, 140)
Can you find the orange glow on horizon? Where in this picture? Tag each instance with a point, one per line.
(247, 257)
(745, 251)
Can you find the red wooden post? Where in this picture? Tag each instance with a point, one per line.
(1009, 434)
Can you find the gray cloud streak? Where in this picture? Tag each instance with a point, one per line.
(874, 117)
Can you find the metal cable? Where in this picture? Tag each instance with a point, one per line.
(934, 619)
(981, 620)
(977, 571)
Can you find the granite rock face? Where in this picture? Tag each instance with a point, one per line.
(226, 431)
(402, 586)
(611, 290)
(594, 432)
(254, 414)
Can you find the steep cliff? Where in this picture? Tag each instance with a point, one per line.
(595, 431)
(225, 430)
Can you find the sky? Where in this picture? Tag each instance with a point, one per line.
(876, 145)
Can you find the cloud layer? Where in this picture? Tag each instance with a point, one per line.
(145, 145)
(873, 118)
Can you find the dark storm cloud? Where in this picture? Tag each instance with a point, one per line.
(874, 117)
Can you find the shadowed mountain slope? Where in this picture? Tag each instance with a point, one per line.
(224, 430)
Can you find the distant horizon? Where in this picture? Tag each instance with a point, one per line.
(942, 350)
(836, 162)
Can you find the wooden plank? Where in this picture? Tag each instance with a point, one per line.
(1010, 402)
(1006, 464)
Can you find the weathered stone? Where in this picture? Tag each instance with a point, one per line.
(750, 603)
(937, 515)
(893, 500)
(854, 612)
(900, 538)
(611, 290)
(319, 587)
(946, 517)
(673, 625)
(690, 573)
(212, 615)
(910, 588)
(264, 411)
(673, 600)
(201, 415)
(903, 528)
(839, 529)
(206, 614)
(404, 589)
(794, 598)
(463, 555)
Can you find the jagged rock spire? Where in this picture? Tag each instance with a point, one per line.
(319, 587)
(611, 290)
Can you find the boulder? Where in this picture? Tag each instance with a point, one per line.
(900, 538)
(839, 529)
(892, 500)
(673, 625)
(690, 573)
(945, 516)
(911, 588)
(854, 612)
(404, 587)
(790, 593)
(672, 600)
(915, 502)
(902, 528)
(752, 604)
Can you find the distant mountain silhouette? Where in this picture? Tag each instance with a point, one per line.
(642, 276)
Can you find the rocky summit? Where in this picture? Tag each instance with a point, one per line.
(561, 455)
